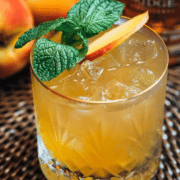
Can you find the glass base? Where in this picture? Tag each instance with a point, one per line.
(53, 171)
(57, 173)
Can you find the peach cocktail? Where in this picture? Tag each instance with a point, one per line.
(103, 118)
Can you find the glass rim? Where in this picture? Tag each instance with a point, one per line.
(116, 100)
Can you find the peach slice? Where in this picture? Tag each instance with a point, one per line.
(116, 36)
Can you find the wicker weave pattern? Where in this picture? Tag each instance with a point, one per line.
(18, 148)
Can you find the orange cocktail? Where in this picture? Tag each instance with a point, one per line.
(103, 119)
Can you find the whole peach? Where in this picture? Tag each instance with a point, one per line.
(15, 19)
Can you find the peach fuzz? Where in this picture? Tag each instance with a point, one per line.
(15, 19)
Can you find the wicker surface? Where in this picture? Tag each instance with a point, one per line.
(18, 148)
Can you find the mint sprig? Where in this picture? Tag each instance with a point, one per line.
(38, 31)
(84, 49)
(84, 20)
(51, 58)
(94, 16)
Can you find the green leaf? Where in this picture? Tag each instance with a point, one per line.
(50, 58)
(94, 16)
(83, 51)
(67, 26)
(38, 31)
(71, 39)
(76, 40)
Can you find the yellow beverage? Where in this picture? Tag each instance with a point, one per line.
(103, 119)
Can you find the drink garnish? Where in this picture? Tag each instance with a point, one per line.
(116, 36)
(84, 20)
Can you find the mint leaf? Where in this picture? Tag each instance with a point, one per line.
(50, 58)
(83, 51)
(76, 40)
(67, 26)
(94, 16)
(38, 31)
(71, 39)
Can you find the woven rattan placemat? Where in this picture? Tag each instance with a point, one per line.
(18, 147)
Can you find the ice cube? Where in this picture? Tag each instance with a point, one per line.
(138, 76)
(77, 85)
(68, 83)
(143, 77)
(91, 70)
(108, 62)
(97, 94)
(136, 51)
(94, 69)
(117, 90)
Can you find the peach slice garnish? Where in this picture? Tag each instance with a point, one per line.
(116, 36)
